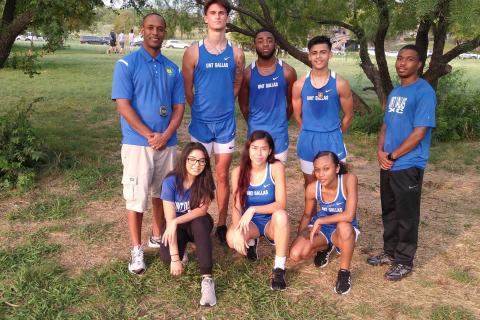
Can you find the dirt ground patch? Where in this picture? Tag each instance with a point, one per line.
(448, 245)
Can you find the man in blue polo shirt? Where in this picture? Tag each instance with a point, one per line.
(149, 93)
(403, 147)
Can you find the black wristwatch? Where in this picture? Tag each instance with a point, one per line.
(389, 157)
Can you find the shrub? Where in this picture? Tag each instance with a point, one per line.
(458, 111)
(370, 122)
(20, 149)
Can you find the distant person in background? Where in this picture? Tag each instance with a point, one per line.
(113, 43)
(121, 40)
(131, 40)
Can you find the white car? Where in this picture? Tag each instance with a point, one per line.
(177, 44)
(469, 56)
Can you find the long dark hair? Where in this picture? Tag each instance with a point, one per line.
(336, 161)
(203, 187)
(246, 163)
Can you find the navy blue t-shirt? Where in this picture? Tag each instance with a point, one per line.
(409, 107)
(171, 193)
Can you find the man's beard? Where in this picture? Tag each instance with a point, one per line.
(265, 56)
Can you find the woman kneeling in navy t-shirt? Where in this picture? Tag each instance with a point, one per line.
(186, 193)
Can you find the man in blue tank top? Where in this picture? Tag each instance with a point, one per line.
(149, 94)
(317, 99)
(212, 71)
(403, 150)
(265, 97)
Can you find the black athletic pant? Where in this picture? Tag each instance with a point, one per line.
(196, 231)
(400, 193)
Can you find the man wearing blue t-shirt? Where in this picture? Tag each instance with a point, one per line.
(149, 93)
(403, 147)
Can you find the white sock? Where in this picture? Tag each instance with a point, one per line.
(280, 262)
(157, 238)
(251, 242)
(137, 248)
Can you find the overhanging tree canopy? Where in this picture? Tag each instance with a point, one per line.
(54, 18)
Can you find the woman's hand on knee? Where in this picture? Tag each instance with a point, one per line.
(239, 243)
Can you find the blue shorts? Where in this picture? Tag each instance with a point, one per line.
(310, 143)
(328, 229)
(260, 221)
(219, 132)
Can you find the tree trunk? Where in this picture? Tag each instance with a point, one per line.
(10, 30)
(383, 73)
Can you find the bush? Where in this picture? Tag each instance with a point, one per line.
(370, 122)
(20, 149)
(458, 111)
(28, 62)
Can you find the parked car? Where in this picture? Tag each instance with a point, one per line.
(94, 40)
(21, 37)
(138, 41)
(177, 44)
(469, 56)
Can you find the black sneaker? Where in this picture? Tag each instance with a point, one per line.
(321, 258)
(222, 234)
(344, 282)
(278, 280)
(397, 272)
(252, 253)
(381, 259)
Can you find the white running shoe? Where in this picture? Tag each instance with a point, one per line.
(208, 292)
(185, 258)
(137, 264)
(154, 243)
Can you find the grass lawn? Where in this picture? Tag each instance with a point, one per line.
(64, 245)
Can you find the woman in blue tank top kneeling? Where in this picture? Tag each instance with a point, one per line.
(259, 200)
(335, 224)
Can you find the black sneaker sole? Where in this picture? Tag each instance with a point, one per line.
(278, 289)
(335, 290)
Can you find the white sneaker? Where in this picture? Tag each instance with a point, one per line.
(185, 259)
(137, 264)
(208, 292)
(154, 243)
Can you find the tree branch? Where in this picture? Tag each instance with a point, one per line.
(266, 11)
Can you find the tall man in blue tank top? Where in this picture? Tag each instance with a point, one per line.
(265, 97)
(318, 97)
(403, 149)
(212, 71)
(149, 93)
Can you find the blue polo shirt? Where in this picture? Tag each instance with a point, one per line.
(409, 107)
(153, 86)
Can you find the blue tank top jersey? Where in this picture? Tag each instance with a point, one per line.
(214, 98)
(268, 102)
(321, 107)
(334, 207)
(262, 193)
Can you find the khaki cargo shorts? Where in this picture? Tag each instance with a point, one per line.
(144, 169)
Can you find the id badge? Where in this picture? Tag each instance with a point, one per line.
(163, 111)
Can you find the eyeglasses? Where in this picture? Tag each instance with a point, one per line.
(192, 161)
